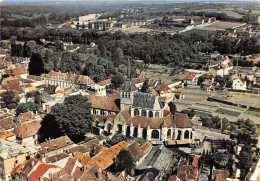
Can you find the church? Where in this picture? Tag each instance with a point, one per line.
(137, 114)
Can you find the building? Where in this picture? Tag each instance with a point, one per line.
(239, 84)
(56, 146)
(65, 80)
(189, 80)
(11, 155)
(158, 158)
(137, 114)
(27, 133)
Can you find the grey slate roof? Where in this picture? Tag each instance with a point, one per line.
(158, 158)
(128, 86)
(144, 100)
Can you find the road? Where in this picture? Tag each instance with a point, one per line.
(200, 134)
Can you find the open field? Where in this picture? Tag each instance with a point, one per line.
(161, 72)
(228, 11)
(220, 25)
(197, 99)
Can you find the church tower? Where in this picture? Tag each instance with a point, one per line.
(127, 91)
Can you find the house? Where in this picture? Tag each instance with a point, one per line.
(56, 146)
(138, 152)
(99, 89)
(13, 154)
(40, 171)
(189, 80)
(239, 84)
(106, 158)
(163, 89)
(207, 78)
(27, 133)
(27, 116)
(216, 71)
(22, 171)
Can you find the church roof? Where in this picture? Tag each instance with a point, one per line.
(179, 119)
(144, 100)
(128, 86)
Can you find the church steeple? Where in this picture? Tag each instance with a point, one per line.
(127, 90)
(128, 69)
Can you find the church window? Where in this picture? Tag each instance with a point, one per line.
(155, 134)
(143, 113)
(136, 112)
(151, 114)
(169, 133)
(157, 114)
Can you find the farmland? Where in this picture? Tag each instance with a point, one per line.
(220, 25)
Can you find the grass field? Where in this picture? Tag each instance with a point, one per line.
(161, 72)
(220, 25)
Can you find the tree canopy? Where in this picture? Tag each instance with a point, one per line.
(124, 161)
(72, 118)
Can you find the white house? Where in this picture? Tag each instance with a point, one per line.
(239, 84)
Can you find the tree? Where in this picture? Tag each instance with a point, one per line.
(145, 87)
(172, 107)
(29, 106)
(116, 139)
(10, 99)
(220, 160)
(245, 160)
(72, 117)
(36, 65)
(124, 161)
(117, 80)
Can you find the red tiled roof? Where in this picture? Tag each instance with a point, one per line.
(162, 87)
(40, 171)
(85, 159)
(105, 158)
(188, 77)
